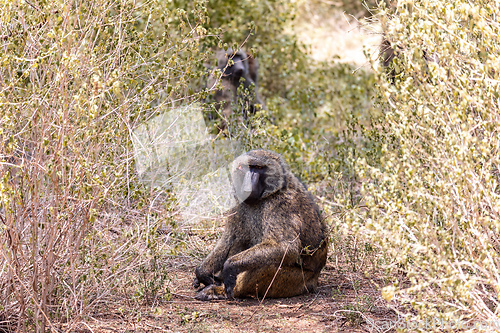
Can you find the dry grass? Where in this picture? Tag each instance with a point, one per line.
(346, 300)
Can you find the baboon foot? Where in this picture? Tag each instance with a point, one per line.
(211, 293)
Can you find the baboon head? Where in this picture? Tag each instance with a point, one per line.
(258, 174)
(233, 104)
(234, 65)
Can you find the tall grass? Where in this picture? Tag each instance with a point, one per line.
(75, 79)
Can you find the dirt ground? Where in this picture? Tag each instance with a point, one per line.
(343, 303)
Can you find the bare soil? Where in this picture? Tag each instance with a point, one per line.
(344, 302)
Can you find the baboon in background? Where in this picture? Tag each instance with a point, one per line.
(274, 242)
(238, 68)
(388, 53)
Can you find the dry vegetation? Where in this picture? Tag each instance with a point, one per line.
(434, 200)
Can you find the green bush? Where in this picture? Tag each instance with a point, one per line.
(78, 226)
(433, 199)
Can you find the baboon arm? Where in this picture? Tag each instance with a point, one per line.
(214, 262)
(266, 254)
(269, 253)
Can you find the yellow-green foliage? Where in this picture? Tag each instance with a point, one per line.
(77, 227)
(75, 79)
(434, 199)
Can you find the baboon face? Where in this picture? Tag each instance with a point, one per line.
(233, 104)
(234, 65)
(249, 182)
(256, 176)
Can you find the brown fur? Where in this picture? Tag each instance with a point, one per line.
(242, 70)
(275, 245)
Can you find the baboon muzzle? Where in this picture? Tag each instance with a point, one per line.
(238, 72)
(251, 187)
(249, 182)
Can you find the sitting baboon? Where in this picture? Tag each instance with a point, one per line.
(239, 84)
(274, 242)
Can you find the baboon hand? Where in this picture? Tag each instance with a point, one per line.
(229, 292)
(196, 283)
(229, 276)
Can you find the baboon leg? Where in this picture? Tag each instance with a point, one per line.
(210, 293)
(290, 281)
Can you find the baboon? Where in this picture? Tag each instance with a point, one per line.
(239, 70)
(388, 53)
(274, 242)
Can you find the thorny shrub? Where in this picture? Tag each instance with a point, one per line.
(433, 200)
(76, 226)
